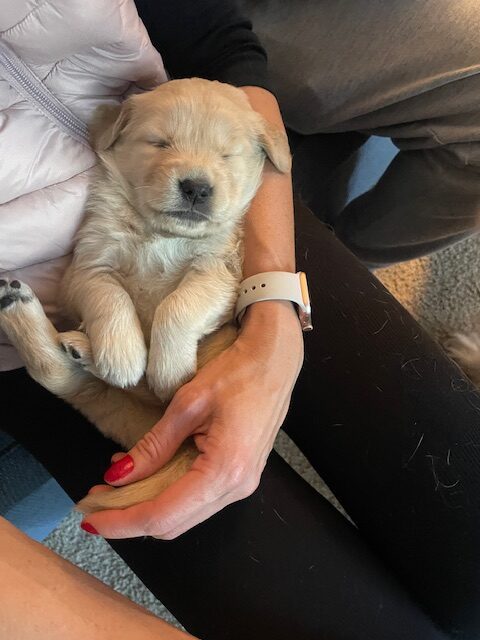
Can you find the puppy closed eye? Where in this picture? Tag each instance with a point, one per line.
(232, 154)
(160, 144)
(233, 151)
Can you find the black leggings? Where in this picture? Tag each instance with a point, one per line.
(393, 427)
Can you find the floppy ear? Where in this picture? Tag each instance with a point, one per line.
(107, 124)
(274, 142)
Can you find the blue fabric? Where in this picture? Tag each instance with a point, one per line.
(29, 497)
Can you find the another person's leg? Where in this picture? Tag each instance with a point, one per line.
(44, 597)
(406, 70)
(282, 564)
(392, 425)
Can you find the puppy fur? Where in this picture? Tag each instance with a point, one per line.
(465, 350)
(156, 265)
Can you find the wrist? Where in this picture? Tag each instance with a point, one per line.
(270, 329)
(271, 314)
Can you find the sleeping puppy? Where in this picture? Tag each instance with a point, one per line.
(156, 265)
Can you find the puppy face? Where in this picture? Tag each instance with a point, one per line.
(190, 154)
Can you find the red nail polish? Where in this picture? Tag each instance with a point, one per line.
(119, 469)
(86, 526)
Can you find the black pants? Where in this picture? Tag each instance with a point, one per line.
(392, 426)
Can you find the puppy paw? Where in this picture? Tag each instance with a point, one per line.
(168, 370)
(465, 350)
(76, 345)
(14, 293)
(120, 360)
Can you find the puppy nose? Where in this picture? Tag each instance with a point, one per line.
(195, 190)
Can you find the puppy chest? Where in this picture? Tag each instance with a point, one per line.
(149, 278)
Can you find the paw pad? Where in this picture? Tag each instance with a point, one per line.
(13, 291)
(77, 346)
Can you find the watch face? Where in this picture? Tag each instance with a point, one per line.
(304, 288)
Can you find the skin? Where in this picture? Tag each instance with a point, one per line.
(44, 597)
(255, 376)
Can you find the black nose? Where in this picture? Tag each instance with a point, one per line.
(195, 190)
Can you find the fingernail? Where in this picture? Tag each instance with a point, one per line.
(86, 526)
(119, 469)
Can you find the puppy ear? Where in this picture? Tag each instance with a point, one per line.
(274, 142)
(107, 124)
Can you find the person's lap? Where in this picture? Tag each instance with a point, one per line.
(394, 432)
(284, 563)
(281, 564)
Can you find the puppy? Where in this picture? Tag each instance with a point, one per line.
(156, 265)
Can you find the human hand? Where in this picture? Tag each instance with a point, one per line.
(233, 408)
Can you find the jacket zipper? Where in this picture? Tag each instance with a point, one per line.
(22, 78)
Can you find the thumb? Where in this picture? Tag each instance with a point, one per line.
(159, 444)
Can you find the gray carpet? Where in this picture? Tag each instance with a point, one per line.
(442, 291)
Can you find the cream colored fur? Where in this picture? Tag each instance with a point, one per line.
(465, 350)
(152, 290)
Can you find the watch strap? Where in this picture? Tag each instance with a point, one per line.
(276, 285)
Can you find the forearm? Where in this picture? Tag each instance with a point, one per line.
(269, 242)
(269, 229)
(43, 597)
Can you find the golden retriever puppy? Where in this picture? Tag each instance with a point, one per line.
(156, 265)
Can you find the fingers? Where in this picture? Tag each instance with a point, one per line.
(99, 488)
(117, 456)
(184, 415)
(191, 500)
(158, 516)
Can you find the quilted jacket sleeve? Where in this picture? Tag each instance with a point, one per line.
(205, 38)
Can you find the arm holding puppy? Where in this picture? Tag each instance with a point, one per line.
(255, 376)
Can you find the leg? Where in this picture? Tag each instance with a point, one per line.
(282, 564)
(23, 320)
(394, 432)
(121, 362)
(409, 71)
(87, 608)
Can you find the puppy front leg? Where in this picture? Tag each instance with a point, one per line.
(201, 304)
(111, 322)
(23, 320)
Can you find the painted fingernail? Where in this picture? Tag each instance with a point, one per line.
(86, 526)
(119, 469)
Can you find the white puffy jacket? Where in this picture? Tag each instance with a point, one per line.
(59, 59)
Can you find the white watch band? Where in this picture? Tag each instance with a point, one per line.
(276, 285)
